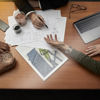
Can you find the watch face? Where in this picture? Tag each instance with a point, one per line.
(3, 26)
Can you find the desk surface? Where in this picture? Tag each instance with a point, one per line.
(70, 76)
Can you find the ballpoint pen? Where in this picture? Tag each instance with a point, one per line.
(43, 22)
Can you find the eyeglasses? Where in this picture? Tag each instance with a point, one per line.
(77, 8)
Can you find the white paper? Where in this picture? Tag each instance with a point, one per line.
(38, 65)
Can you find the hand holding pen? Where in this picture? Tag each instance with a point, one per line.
(43, 21)
(37, 21)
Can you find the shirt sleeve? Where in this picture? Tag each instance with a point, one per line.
(40, 4)
(23, 6)
(29, 13)
(85, 61)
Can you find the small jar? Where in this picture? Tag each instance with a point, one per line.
(17, 28)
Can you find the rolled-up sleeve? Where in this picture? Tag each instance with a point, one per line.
(86, 61)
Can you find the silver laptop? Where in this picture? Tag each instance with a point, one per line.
(89, 27)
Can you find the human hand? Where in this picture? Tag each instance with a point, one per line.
(4, 47)
(93, 50)
(37, 20)
(55, 42)
(21, 19)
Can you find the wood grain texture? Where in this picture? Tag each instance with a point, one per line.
(70, 76)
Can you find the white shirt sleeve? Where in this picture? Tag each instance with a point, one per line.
(29, 13)
(17, 12)
(39, 4)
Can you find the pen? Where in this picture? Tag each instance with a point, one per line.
(43, 22)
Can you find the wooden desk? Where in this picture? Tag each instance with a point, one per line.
(70, 76)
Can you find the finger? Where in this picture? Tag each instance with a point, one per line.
(51, 37)
(1, 51)
(89, 49)
(37, 23)
(56, 37)
(40, 21)
(41, 18)
(93, 54)
(46, 40)
(48, 37)
(37, 27)
(92, 51)
(20, 23)
(5, 47)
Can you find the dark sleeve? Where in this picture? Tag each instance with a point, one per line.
(52, 4)
(86, 61)
(23, 5)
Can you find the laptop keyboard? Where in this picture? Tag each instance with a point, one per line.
(88, 23)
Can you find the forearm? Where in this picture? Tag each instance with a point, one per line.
(83, 59)
(23, 5)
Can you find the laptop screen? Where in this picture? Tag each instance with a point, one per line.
(88, 23)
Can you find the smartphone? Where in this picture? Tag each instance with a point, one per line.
(3, 26)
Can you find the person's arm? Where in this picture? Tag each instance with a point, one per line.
(78, 56)
(84, 60)
(52, 4)
(23, 6)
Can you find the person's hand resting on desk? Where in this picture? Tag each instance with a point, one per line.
(93, 50)
(54, 42)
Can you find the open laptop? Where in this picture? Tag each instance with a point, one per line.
(89, 27)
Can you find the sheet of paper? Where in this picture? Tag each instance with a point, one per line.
(54, 30)
(44, 66)
(50, 13)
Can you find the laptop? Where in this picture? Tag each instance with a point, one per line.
(89, 27)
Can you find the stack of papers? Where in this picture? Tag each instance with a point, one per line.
(33, 37)
(42, 57)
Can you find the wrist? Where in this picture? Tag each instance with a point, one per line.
(66, 49)
(31, 15)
